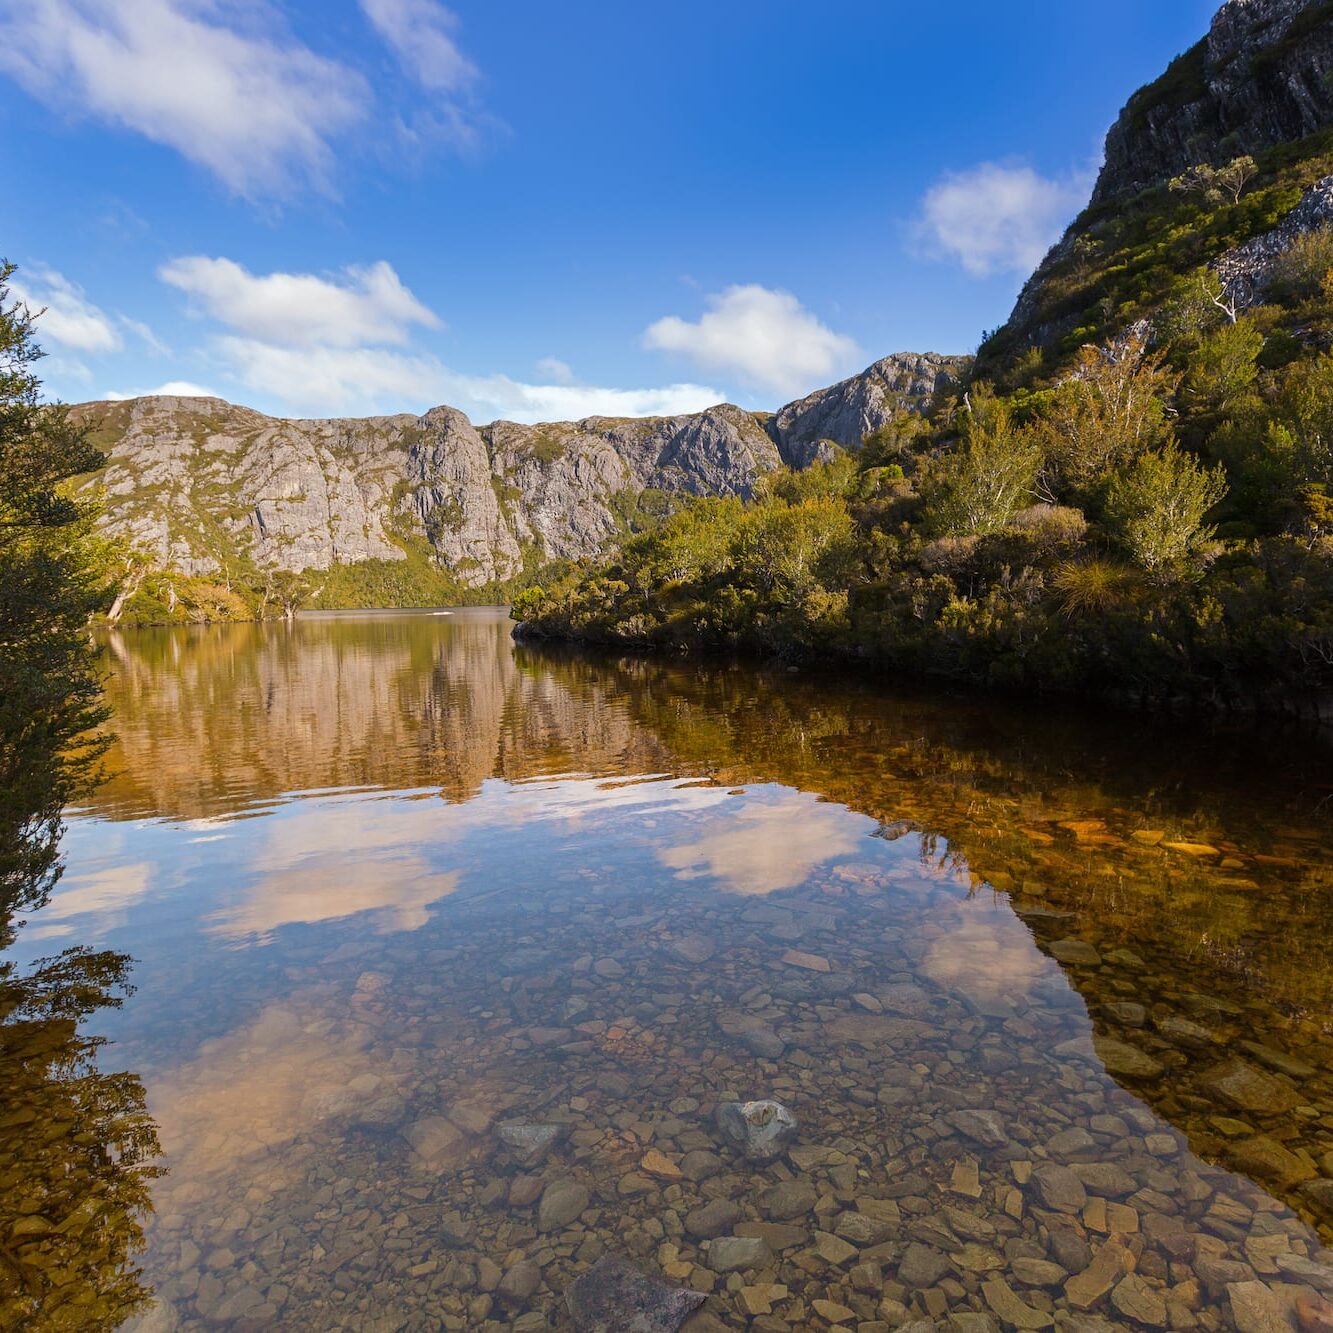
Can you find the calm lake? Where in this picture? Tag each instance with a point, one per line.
(447, 951)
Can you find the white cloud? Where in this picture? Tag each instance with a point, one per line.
(367, 306)
(499, 396)
(251, 105)
(103, 894)
(317, 346)
(420, 34)
(328, 381)
(555, 370)
(766, 337)
(171, 389)
(997, 218)
(68, 317)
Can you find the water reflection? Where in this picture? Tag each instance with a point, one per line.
(1021, 975)
(77, 1147)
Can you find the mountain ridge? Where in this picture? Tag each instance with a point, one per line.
(209, 488)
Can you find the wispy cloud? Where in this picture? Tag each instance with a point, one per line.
(420, 33)
(221, 82)
(997, 217)
(766, 337)
(65, 316)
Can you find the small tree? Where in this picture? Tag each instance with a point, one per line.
(50, 699)
(1217, 184)
(1236, 175)
(980, 486)
(287, 589)
(1224, 368)
(1110, 409)
(1156, 508)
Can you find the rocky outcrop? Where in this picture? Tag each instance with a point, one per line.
(567, 477)
(1262, 76)
(208, 488)
(1253, 263)
(855, 407)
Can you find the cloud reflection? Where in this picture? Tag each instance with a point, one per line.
(764, 848)
(986, 954)
(103, 894)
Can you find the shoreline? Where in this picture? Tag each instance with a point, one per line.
(1317, 711)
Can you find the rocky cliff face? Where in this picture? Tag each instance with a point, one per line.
(1262, 76)
(203, 486)
(857, 406)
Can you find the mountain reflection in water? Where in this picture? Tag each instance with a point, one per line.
(1044, 990)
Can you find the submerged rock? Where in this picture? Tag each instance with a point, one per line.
(528, 1143)
(985, 1126)
(613, 1296)
(735, 1254)
(761, 1130)
(562, 1201)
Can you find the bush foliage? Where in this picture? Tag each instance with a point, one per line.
(1145, 512)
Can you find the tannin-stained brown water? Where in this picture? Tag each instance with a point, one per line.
(447, 952)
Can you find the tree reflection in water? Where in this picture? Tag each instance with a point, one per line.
(77, 1147)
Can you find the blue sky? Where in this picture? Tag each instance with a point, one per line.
(535, 210)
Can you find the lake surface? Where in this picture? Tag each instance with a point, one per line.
(448, 950)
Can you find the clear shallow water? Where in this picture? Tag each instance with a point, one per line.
(392, 883)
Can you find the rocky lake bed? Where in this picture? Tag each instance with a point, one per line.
(657, 999)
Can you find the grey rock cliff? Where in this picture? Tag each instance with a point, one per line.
(207, 488)
(1261, 77)
(855, 407)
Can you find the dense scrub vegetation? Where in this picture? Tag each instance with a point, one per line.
(1150, 514)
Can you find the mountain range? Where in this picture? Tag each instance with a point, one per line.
(207, 488)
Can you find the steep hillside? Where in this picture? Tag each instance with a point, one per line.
(209, 489)
(1135, 496)
(1260, 87)
(1262, 76)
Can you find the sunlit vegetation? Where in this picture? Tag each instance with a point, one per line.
(1147, 514)
(1125, 260)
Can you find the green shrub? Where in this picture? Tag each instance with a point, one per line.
(977, 489)
(1305, 267)
(1156, 508)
